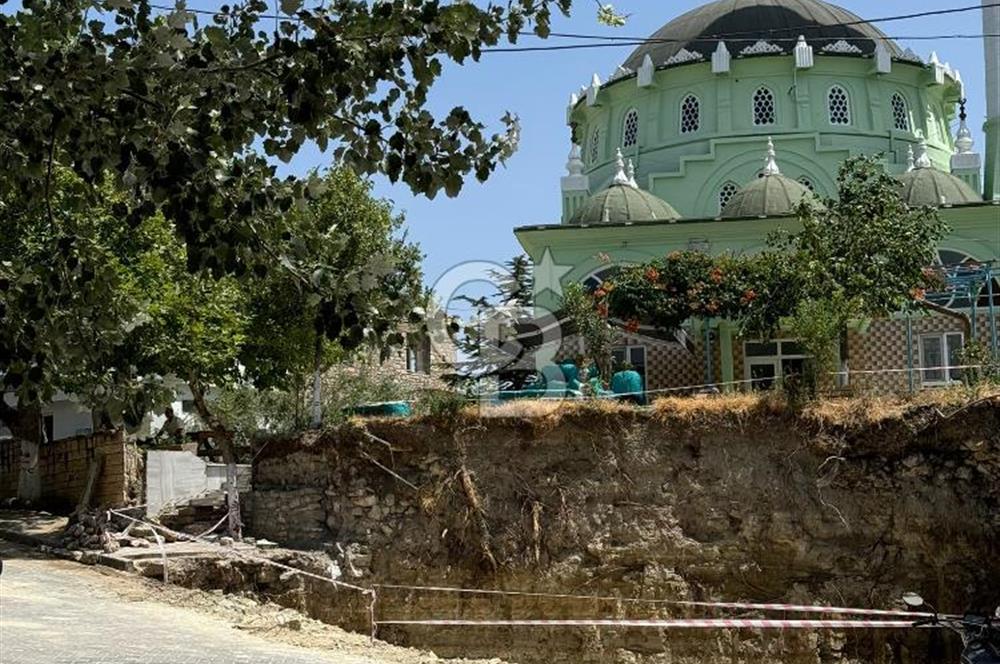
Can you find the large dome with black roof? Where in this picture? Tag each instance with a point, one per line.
(742, 23)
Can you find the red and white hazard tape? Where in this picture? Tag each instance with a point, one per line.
(692, 623)
(745, 606)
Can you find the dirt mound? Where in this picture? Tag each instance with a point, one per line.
(848, 504)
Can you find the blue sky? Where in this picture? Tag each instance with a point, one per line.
(477, 224)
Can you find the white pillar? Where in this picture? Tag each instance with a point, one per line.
(575, 185)
(991, 26)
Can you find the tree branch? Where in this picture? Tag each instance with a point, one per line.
(244, 67)
(965, 319)
(48, 176)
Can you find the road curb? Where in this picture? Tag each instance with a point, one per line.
(51, 546)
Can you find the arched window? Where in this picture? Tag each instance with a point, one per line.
(839, 106)
(598, 277)
(951, 260)
(690, 115)
(595, 145)
(630, 129)
(900, 113)
(807, 183)
(726, 193)
(763, 107)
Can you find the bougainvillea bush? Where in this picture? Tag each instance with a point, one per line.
(863, 255)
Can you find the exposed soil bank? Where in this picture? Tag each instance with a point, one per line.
(739, 502)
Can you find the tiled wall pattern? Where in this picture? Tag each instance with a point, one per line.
(880, 347)
(883, 347)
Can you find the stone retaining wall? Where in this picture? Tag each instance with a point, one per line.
(758, 504)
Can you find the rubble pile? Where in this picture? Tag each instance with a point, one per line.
(90, 530)
(102, 530)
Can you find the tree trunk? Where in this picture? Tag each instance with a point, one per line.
(218, 429)
(965, 319)
(25, 426)
(317, 390)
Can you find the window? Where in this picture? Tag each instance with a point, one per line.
(939, 355)
(630, 129)
(807, 183)
(418, 355)
(598, 277)
(595, 146)
(900, 113)
(49, 427)
(768, 363)
(690, 115)
(839, 106)
(763, 107)
(726, 194)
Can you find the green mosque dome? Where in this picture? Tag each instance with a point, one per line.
(771, 194)
(623, 201)
(692, 105)
(925, 185)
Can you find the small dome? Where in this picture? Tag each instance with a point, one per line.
(771, 195)
(929, 186)
(768, 196)
(622, 201)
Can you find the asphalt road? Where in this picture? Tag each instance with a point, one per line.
(60, 612)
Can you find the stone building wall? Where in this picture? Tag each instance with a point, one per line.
(64, 466)
(432, 361)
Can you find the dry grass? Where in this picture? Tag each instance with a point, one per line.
(552, 408)
(842, 411)
(850, 412)
(870, 410)
(703, 408)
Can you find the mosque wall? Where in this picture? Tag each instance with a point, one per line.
(679, 152)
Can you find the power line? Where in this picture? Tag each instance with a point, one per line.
(724, 35)
(570, 47)
(611, 41)
(714, 36)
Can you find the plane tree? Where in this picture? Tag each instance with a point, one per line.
(185, 113)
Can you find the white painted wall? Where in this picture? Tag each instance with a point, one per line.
(175, 477)
(69, 419)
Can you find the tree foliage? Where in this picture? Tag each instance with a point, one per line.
(136, 316)
(174, 104)
(862, 255)
(589, 315)
(484, 338)
(362, 281)
(183, 114)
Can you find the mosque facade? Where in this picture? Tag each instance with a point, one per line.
(712, 131)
